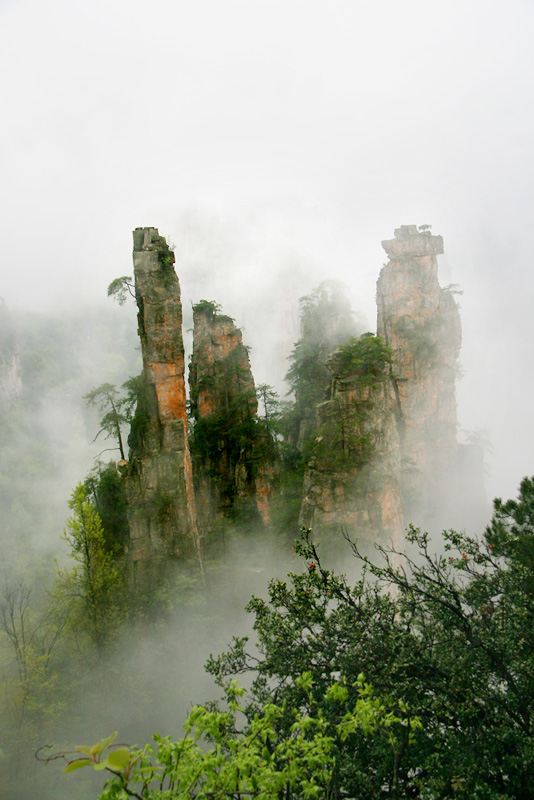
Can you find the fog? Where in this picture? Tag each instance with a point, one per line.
(270, 138)
(274, 144)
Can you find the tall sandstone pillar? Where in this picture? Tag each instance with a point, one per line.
(159, 481)
(363, 499)
(229, 483)
(416, 472)
(420, 322)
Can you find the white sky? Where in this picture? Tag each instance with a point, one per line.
(280, 137)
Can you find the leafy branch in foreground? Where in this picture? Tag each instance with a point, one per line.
(450, 632)
(215, 760)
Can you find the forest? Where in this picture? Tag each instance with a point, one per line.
(267, 657)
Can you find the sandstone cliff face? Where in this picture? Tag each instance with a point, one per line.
(10, 380)
(228, 481)
(382, 447)
(158, 479)
(410, 417)
(420, 322)
(352, 482)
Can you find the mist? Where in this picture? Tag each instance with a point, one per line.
(271, 139)
(274, 144)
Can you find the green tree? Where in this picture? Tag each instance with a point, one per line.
(32, 631)
(105, 486)
(117, 408)
(268, 432)
(215, 760)
(108, 401)
(211, 308)
(326, 321)
(95, 587)
(227, 442)
(271, 407)
(120, 288)
(364, 360)
(450, 633)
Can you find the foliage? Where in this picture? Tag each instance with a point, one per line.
(116, 407)
(165, 254)
(138, 399)
(326, 321)
(267, 446)
(108, 401)
(95, 586)
(450, 633)
(365, 359)
(106, 487)
(32, 634)
(210, 308)
(230, 439)
(341, 441)
(213, 759)
(61, 357)
(120, 288)
(33, 696)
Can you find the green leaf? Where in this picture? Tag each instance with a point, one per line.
(119, 758)
(83, 748)
(108, 740)
(77, 764)
(337, 693)
(305, 681)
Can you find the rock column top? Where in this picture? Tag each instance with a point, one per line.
(410, 242)
(143, 238)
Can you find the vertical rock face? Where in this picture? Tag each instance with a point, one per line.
(10, 380)
(359, 494)
(159, 481)
(224, 408)
(413, 467)
(420, 322)
(353, 478)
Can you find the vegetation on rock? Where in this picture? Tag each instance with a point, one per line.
(120, 288)
(364, 360)
(94, 587)
(446, 642)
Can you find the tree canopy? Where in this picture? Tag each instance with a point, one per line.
(445, 640)
(450, 633)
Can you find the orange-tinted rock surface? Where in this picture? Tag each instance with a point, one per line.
(228, 482)
(159, 481)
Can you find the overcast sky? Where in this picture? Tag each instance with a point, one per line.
(272, 139)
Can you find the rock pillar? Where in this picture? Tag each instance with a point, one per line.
(159, 480)
(420, 322)
(230, 480)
